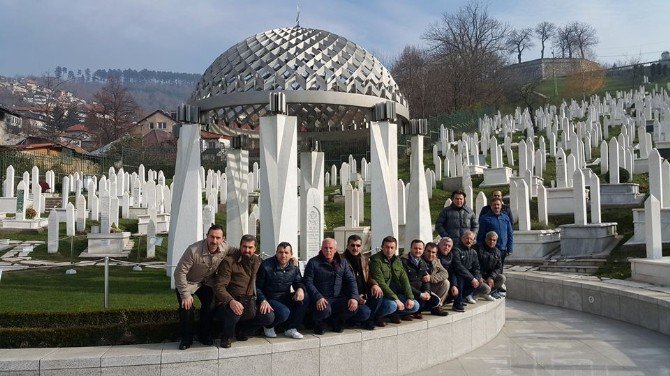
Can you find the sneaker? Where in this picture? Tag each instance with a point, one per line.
(293, 333)
(470, 299)
(488, 297)
(183, 345)
(496, 295)
(458, 308)
(270, 332)
(502, 293)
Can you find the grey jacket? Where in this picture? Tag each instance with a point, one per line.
(197, 267)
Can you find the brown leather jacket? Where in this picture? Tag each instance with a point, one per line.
(197, 267)
(232, 280)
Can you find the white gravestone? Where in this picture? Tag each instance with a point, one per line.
(53, 232)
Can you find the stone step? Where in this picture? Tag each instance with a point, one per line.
(575, 262)
(568, 269)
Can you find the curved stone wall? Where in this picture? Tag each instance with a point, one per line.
(383, 351)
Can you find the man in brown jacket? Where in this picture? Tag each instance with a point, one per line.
(235, 291)
(439, 276)
(194, 275)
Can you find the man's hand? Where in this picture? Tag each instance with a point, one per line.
(187, 303)
(236, 307)
(454, 291)
(425, 296)
(475, 283)
(299, 295)
(266, 307)
(425, 278)
(353, 305)
(321, 304)
(377, 291)
(489, 281)
(409, 303)
(401, 307)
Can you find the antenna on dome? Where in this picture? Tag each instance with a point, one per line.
(297, 16)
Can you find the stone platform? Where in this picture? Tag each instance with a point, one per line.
(655, 271)
(354, 352)
(588, 239)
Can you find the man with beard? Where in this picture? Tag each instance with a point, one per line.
(499, 222)
(369, 292)
(439, 276)
(419, 279)
(194, 275)
(332, 289)
(236, 294)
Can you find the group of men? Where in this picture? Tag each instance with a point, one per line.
(245, 293)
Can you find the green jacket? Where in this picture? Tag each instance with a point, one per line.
(390, 275)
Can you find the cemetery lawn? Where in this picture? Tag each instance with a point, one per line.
(51, 290)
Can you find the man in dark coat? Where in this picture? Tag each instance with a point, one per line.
(471, 284)
(332, 289)
(456, 218)
(497, 221)
(274, 280)
(419, 279)
(369, 292)
(490, 263)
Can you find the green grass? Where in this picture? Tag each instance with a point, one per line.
(51, 290)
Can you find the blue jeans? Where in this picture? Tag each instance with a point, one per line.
(389, 307)
(289, 311)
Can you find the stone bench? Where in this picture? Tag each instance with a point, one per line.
(633, 302)
(354, 352)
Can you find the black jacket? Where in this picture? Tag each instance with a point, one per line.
(329, 280)
(453, 222)
(453, 266)
(490, 262)
(470, 261)
(415, 273)
(274, 282)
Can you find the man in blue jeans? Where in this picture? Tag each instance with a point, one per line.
(387, 271)
(332, 289)
(274, 280)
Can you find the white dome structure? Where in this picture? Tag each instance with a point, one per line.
(330, 83)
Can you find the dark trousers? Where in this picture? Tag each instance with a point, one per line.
(461, 283)
(231, 322)
(337, 310)
(503, 254)
(374, 304)
(206, 296)
(288, 311)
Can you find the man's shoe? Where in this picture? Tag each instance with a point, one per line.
(438, 312)
(470, 299)
(241, 336)
(183, 345)
(502, 293)
(293, 333)
(368, 325)
(269, 332)
(394, 319)
(407, 318)
(225, 342)
(496, 295)
(207, 340)
(380, 323)
(488, 297)
(458, 308)
(318, 328)
(338, 327)
(418, 316)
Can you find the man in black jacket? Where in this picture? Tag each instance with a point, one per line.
(274, 280)
(456, 218)
(369, 292)
(419, 279)
(471, 285)
(456, 271)
(332, 289)
(490, 263)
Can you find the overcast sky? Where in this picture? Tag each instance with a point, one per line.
(186, 36)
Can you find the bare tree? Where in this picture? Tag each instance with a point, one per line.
(564, 41)
(544, 30)
(519, 40)
(410, 72)
(113, 111)
(470, 46)
(583, 36)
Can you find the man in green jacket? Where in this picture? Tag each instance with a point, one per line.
(387, 270)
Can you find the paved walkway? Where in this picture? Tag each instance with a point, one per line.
(543, 340)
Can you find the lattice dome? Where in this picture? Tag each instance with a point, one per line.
(314, 68)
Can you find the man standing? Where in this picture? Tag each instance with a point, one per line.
(194, 275)
(456, 218)
(235, 290)
(499, 222)
(387, 270)
(369, 292)
(332, 289)
(275, 278)
(505, 208)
